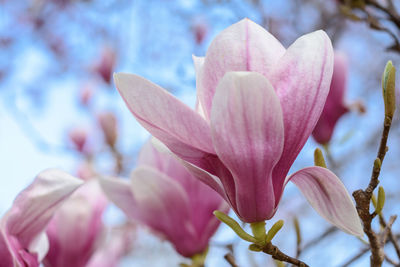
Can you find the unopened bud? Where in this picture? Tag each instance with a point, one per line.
(381, 200)
(377, 163)
(85, 95)
(200, 30)
(373, 200)
(297, 229)
(78, 137)
(319, 158)
(105, 66)
(108, 124)
(388, 89)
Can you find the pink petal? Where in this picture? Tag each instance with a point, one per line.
(207, 178)
(247, 131)
(77, 227)
(119, 192)
(5, 254)
(184, 131)
(161, 201)
(154, 200)
(328, 196)
(40, 246)
(34, 207)
(208, 169)
(244, 46)
(301, 79)
(164, 206)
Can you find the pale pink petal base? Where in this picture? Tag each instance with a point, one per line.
(328, 196)
(301, 79)
(247, 132)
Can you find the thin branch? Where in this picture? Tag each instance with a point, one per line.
(391, 236)
(386, 231)
(390, 261)
(355, 257)
(279, 255)
(391, 12)
(230, 259)
(363, 198)
(360, 254)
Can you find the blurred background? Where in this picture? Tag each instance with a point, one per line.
(59, 106)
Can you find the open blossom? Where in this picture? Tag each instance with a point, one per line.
(257, 105)
(163, 195)
(23, 241)
(76, 229)
(335, 106)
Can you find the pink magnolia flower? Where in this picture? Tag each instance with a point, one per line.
(163, 195)
(23, 241)
(335, 106)
(258, 104)
(76, 229)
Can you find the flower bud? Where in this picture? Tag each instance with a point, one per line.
(104, 68)
(108, 124)
(388, 89)
(319, 158)
(78, 136)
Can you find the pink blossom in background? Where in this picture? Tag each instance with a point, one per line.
(86, 95)
(109, 126)
(200, 30)
(163, 195)
(77, 229)
(23, 241)
(335, 106)
(78, 136)
(257, 105)
(104, 68)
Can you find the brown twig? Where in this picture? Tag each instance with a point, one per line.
(230, 259)
(355, 257)
(360, 254)
(363, 199)
(391, 12)
(392, 262)
(276, 254)
(391, 236)
(388, 228)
